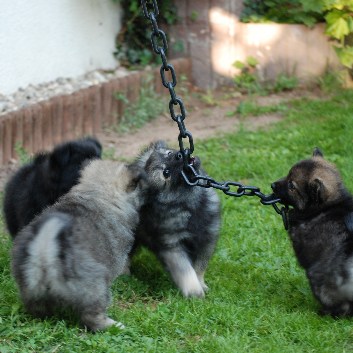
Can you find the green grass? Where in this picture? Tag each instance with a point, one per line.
(251, 108)
(259, 299)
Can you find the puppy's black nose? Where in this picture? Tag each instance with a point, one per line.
(273, 186)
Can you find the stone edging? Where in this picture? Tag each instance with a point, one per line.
(42, 125)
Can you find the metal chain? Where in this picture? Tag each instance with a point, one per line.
(192, 178)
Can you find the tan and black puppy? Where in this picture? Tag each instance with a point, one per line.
(68, 256)
(321, 230)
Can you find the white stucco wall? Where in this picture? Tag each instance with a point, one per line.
(41, 40)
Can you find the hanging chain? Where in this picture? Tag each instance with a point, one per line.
(192, 178)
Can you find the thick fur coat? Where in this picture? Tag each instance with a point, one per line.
(321, 230)
(68, 256)
(178, 223)
(41, 182)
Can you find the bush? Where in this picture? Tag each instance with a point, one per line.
(338, 15)
(133, 46)
(248, 80)
(288, 11)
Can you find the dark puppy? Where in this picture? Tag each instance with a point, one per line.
(321, 230)
(41, 182)
(178, 222)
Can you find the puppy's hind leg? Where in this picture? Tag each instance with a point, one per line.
(96, 319)
(93, 309)
(40, 308)
(183, 274)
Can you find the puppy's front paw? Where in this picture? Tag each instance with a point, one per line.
(191, 287)
(194, 294)
(183, 274)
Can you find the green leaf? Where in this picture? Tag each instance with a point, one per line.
(337, 26)
(239, 65)
(251, 61)
(350, 24)
(346, 56)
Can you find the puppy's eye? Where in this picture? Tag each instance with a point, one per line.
(291, 186)
(166, 173)
(169, 153)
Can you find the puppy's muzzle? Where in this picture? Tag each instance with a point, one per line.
(179, 156)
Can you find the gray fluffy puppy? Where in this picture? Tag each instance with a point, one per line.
(178, 222)
(69, 255)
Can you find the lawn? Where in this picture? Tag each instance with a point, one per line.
(259, 298)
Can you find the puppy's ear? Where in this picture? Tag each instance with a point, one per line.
(159, 144)
(318, 191)
(317, 152)
(60, 157)
(96, 145)
(138, 176)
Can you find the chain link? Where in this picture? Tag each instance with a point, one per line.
(192, 178)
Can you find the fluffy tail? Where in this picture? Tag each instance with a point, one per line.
(36, 262)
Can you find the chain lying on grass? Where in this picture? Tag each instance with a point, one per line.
(192, 178)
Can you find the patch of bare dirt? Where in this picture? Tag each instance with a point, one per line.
(209, 114)
(204, 119)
